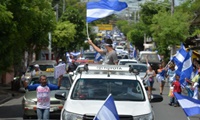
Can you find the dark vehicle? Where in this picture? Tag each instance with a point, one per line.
(152, 58)
(89, 55)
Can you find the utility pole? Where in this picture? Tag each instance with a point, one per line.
(173, 47)
(49, 47)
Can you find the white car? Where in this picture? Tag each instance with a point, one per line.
(125, 61)
(119, 49)
(92, 86)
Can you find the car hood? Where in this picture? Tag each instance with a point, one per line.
(31, 95)
(91, 107)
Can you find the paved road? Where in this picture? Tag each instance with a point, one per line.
(12, 110)
(165, 112)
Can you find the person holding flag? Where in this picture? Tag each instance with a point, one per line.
(110, 54)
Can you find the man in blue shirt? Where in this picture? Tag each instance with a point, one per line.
(43, 95)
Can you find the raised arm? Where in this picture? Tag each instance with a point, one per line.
(95, 47)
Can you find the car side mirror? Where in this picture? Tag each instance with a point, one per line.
(156, 98)
(60, 95)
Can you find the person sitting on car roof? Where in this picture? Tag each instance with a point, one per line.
(36, 71)
(110, 54)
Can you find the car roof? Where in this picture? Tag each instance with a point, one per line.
(44, 62)
(128, 60)
(135, 64)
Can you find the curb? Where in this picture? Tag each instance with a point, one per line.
(6, 98)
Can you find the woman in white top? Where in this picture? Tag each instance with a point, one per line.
(150, 74)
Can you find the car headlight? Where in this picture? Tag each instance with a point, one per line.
(29, 102)
(149, 116)
(71, 116)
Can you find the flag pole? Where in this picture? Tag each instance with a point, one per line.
(87, 30)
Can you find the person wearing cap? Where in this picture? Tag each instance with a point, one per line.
(110, 53)
(36, 71)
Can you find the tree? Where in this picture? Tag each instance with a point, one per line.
(136, 35)
(74, 16)
(24, 27)
(169, 29)
(62, 36)
(149, 9)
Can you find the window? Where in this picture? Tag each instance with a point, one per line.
(99, 89)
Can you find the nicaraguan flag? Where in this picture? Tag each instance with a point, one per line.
(179, 58)
(103, 8)
(68, 57)
(187, 68)
(108, 111)
(190, 105)
(98, 56)
(135, 53)
(75, 53)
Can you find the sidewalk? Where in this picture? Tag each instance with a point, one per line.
(7, 94)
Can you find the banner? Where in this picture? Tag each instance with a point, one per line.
(59, 70)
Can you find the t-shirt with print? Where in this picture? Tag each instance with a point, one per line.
(150, 75)
(171, 75)
(43, 97)
(110, 57)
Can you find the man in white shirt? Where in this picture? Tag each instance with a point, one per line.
(36, 71)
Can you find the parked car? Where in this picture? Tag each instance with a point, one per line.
(29, 101)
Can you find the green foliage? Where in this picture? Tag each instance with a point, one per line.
(136, 35)
(24, 25)
(74, 16)
(169, 29)
(149, 9)
(64, 34)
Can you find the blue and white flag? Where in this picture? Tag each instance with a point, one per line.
(103, 8)
(187, 68)
(179, 58)
(108, 111)
(75, 53)
(189, 105)
(135, 52)
(68, 57)
(98, 56)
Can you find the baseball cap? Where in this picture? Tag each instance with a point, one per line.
(108, 42)
(60, 60)
(36, 65)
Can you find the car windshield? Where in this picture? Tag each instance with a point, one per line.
(99, 89)
(150, 57)
(42, 67)
(65, 83)
(140, 68)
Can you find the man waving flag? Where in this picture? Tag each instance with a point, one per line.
(103, 8)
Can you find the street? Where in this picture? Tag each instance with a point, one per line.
(12, 110)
